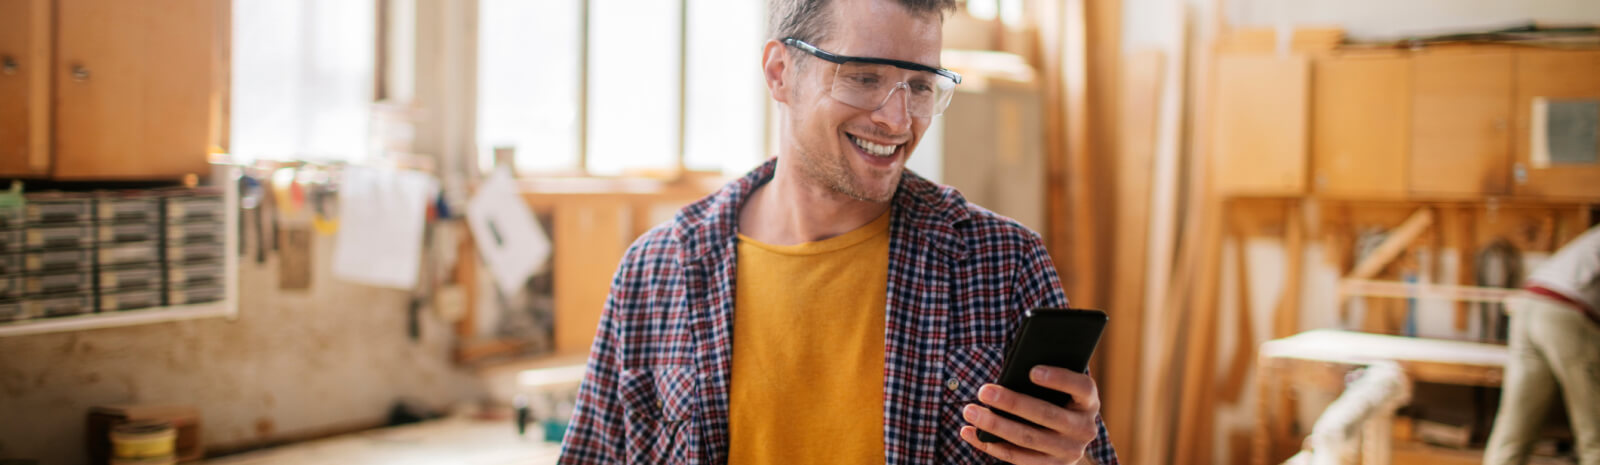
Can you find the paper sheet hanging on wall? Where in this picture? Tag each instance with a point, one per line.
(1565, 131)
(381, 220)
(507, 235)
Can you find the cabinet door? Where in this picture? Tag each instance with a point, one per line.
(139, 87)
(1361, 124)
(1572, 76)
(1260, 141)
(24, 88)
(1461, 118)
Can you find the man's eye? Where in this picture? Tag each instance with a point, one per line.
(864, 79)
(921, 88)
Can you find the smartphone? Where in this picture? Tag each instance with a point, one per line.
(1056, 337)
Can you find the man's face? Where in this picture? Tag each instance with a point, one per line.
(856, 152)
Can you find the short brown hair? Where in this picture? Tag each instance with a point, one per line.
(808, 20)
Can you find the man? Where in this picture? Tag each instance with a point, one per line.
(831, 307)
(1555, 348)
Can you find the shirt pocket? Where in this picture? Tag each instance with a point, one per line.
(657, 409)
(966, 368)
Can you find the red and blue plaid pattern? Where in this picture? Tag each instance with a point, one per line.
(960, 277)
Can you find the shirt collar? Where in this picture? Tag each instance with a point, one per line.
(706, 227)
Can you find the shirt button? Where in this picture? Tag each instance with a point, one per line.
(952, 384)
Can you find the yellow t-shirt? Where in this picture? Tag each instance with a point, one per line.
(807, 379)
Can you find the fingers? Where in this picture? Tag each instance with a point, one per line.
(1023, 436)
(1005, 452)
(1085, 394)
(1035, 409)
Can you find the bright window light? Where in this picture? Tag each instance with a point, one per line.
(529, 67)
(634, 95)
(302, 79)
(726, 95)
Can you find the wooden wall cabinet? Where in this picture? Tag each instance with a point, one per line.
(1361, 124)
(24, 88)
(1553, 74)
(1461, 122)
(1261, 124)
(112, 89)
(1450, 122)
(140, 87)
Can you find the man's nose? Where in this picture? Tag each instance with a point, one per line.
(892, 114)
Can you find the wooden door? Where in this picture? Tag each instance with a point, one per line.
(1554, 75)
(139, 88)
(1461, 122)
(1261, 124)
(1361, 124)
(24, 88)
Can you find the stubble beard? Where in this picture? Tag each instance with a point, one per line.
(834, 173)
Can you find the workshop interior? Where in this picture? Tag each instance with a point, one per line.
(241, 232)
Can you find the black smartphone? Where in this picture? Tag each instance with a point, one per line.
(1056, 337)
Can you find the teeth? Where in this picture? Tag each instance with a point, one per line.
(872, 148)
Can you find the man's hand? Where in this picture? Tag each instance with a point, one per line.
(1063, 433)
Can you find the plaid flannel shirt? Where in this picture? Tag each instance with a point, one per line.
(960, 276)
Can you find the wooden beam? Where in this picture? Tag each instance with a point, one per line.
(1393, 245)
(1423, 291)
(1232, 387)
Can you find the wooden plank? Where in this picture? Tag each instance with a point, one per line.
(1286, 316)
(1286, 322)
(1393, 245)
(1058, 234)
(1169, 262)
(1424, 360)
(1360, 124)
(1423, 291)
(1465, 245)
(1261, 135)
(1232, 387)
(1080, 175)
(1556, 74)
(1461, 120)
(1136, 152)
(1195, 402)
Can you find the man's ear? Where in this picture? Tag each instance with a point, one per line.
(774, 66)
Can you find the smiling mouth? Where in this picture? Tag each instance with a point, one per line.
(873, 148)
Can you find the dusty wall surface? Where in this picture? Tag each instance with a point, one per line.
(333, 357)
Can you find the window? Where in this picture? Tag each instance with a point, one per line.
(620, 87)
(302, 79)
(529, 74)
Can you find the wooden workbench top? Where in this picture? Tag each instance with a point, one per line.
(1427, 360)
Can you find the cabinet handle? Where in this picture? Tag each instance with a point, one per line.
(9, 66)
(80, 73)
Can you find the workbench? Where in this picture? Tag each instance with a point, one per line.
(454, 441)
(1323, 358)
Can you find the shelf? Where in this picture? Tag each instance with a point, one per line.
(120, 318)
(228, 307)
